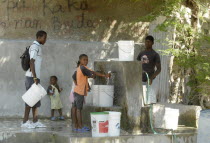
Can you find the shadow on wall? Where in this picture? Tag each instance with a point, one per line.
(3, 59)
(81, 20)
(121, 30)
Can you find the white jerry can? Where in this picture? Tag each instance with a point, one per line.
(34, 94)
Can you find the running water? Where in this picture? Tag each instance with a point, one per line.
(105, 81)
(110, 81)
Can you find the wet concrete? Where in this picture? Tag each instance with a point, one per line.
(61, 132)
(11, 131)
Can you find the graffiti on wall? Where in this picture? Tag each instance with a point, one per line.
(49, 10)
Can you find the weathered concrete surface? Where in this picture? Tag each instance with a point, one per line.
(89, 20)
(61, 132)
(128, 88)
(188, 115)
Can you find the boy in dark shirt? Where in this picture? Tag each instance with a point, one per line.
(150, 61)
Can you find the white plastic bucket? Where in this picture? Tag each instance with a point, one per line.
(103, 95)
(171, 118)
(34, 94)
(114, 123)
(106, 95)
(95, 93)
(99, 123)
(204, 127)
(151, 98)
(126, 50)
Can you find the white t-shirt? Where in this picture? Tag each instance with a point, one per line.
(35, 52)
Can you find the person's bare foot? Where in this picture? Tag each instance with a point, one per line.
(76, 127)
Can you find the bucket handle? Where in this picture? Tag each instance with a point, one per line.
(124, 51)
(108, 94)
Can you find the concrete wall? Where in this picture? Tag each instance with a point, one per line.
(73, 27)
(92, 20)
(59, 58)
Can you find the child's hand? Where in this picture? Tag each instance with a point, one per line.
(150, 81)
(108, 75)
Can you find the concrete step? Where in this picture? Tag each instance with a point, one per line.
(56, 138)
(61, 132)
(188, 115)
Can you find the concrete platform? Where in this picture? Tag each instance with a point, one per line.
(188, 115)
(61, 132)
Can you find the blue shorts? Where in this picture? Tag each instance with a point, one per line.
(28, 83)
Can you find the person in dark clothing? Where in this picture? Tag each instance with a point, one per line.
(150, 59)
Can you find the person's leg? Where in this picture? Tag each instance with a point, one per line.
(79, 118)
(61, 115)
(72, 114)
(79, 106)
(52, 112)
(74, 117)
(35, 114)
(60, 112)
(28, 82)
(26, 114)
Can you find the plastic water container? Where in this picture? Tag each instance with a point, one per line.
(151, 98)
(106, 95)
(126, 50)
(171, 118)
(103, 95)
(204, 127)
(99, 124)
(114, 123)
(34, 94)
(95, 93)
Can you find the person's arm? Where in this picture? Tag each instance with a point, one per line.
(139, 57)
(75, 82)
(102, 75)
(50, 91)
(33, 55)
(74, 76)
(32, 67)
(158, 66)
(59, 89)
(92, 74)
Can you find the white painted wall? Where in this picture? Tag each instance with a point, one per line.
(59, 58)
